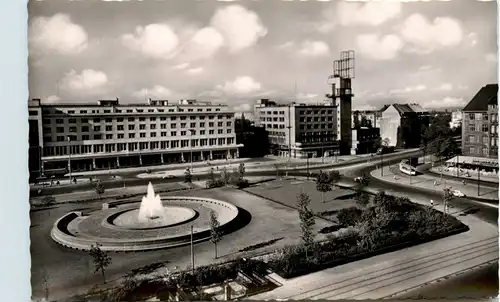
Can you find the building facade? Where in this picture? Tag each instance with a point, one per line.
(480, 124)
(298, 130)
(364, 140)
(402, 125)
(366, 118)
(107, 135)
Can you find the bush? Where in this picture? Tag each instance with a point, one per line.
(48, 201)
(242, 183)
(349, 216)
(216, 183)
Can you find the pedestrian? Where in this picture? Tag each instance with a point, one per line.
(432, 203)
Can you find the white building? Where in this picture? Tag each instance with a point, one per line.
(109, 135)
(456, 119)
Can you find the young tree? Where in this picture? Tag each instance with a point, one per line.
(241, 171)
(101, 259)
(447, 197)
(307, 221)
(225, 175)
(187, 176)
(211, 178)
(334, 176)
(215, 234)
(323, 184)
(99, 188)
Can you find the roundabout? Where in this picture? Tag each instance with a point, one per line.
(154, 223)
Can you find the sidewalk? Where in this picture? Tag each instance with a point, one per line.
(489, 177)
(425, 181)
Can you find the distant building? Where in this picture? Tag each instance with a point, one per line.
(364, 140)
(480, 124)
(402, 125)
(107, 134)
(299, 130)
(366, 118)
(456, 119)
(254, 139)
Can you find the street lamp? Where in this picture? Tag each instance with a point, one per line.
(69, 159)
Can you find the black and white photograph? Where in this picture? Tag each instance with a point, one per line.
(262, 150)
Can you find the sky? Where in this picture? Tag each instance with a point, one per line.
(436, 53)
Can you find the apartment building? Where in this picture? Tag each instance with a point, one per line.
(456, 119)
(366, 118)
(402, 125)
(480, 124)
(298, 130)
(111, 135)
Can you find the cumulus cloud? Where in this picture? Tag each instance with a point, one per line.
(87, 81)
(446, 87)
(195, 70)
(372, 13)
(314, 49)
(204, 44)
(157, 41)
(408, 89)
(245, 107)
(180, 66)
(241, 28)
(57, 34)
(52, 99)
(156, 92)
(375, 47)
(446, 102)
(424, 36)
(241, 85)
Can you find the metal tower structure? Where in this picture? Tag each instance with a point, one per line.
(341, 96)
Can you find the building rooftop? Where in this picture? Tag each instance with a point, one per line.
(487, 95)
(409, 108)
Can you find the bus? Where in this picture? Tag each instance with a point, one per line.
(405, 168)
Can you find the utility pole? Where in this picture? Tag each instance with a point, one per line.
(69, 159)
(411, 168)
(307, 165)
(192, 252)
(458, 170)
(381, 164)
(289, 139)
(322, 150)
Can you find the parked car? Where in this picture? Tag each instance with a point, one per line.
(457, 193)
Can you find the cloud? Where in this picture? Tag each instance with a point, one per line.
(446, 102)
(157, 92)
(157, 41)
(88, 81)
(52, 99)
(286, 45)
(314, 49)
(408, 89)
(306, 96)
(241, 85)
(195, 70)
(491, 57)
(204, 44)
(375, 47)
(57, 34)
(181, 66)
(240, 27)
(371, 13)
(245, 107)
(424, 36)
(446, 87)
(425, 67)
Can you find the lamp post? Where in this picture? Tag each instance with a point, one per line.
(192, 251)
(69, 159)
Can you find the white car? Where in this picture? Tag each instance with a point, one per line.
(457, 193)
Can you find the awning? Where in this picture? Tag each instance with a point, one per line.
(472, 160)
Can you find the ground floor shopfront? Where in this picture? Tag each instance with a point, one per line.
(81, 164)
(309, 152)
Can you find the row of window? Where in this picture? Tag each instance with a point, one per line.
(484, 128)
(98, 120)
(485, 140)
(479, 151)
(129, 110)
(135, 146)
(301, 112)
(84, 137)
(75, 129)
(483, 117)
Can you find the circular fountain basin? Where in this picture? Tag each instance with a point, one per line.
(129, 219)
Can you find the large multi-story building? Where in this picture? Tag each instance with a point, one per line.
(480, 124)
(299, 130)
(364, 140)
(402, 125)
(110, 135)
(366, 118)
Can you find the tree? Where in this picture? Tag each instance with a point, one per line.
(323, 184)
(187, 176)
(101, 259)
(215, 234)
(99, 188)
(241, 171)
(306, 217)
(349, 216)
(362, 198)
(225, 175)
(334, 176)
(447, 197)
(211, 178)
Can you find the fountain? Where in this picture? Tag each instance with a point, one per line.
(151, 206)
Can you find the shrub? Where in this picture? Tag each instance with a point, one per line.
(242, 183)
(216, 183)
(349, 216)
